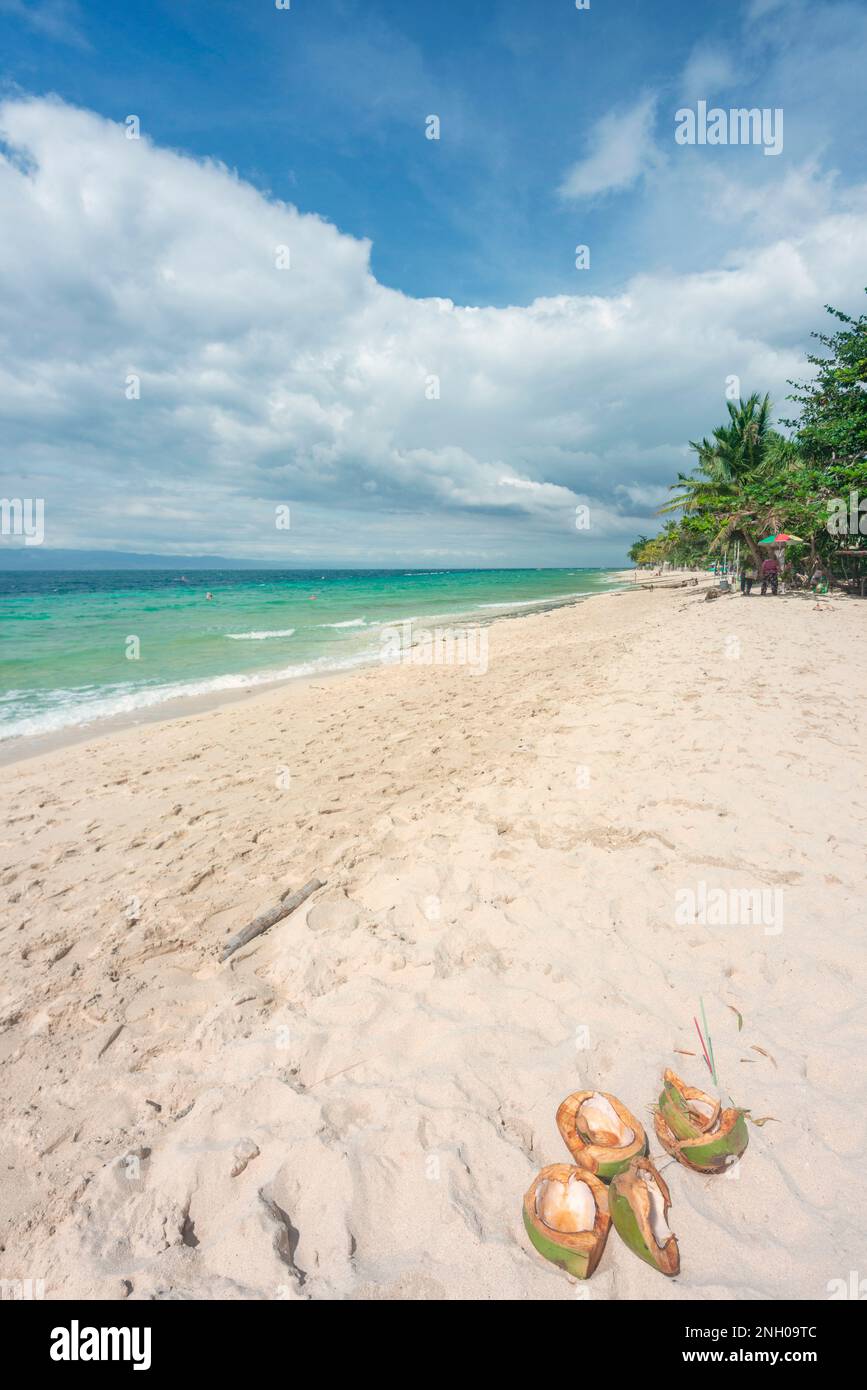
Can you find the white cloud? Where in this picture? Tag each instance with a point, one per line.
(261, 386)
(621, 150)
(802, 194)
(709, 70)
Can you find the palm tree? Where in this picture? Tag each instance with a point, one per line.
(634, 550)
(739, 448)
(743, 450)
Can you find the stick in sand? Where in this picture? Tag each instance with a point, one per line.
(267, 919)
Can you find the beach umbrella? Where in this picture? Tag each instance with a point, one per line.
(784, 538)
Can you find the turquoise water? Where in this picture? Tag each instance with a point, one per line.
(68, 640)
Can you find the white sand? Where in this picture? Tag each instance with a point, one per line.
(353, 1106)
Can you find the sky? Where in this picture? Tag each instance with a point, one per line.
(284, 294)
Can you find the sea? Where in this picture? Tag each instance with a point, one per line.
(77, 647)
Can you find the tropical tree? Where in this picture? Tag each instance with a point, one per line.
(737, 449)
(750, 480)
(635, 549)
(738, 455)
(832, 435)
(832, 429)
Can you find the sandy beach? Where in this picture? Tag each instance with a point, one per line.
(353, 1105)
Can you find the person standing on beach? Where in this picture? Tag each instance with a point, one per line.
(748, 575)
(770, 574)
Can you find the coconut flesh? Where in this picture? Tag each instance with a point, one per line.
(703, 1108)
(598, 1118)
(656, 1215)
(568, 1207)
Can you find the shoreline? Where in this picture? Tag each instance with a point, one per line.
(504, 858)
(23, 747)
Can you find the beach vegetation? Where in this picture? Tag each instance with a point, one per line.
(751, 480)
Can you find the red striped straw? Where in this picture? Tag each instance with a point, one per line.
(703, 1048)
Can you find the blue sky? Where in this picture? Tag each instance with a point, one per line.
(556, 129)
(324, 106)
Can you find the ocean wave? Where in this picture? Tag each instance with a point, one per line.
(531, 602)
(72, 711)
(457, 614)
(352, 622)
(259, 636)
(398, 622)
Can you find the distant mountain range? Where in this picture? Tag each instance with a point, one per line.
(23, 559)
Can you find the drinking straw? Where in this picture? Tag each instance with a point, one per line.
(703, 1048)
(709, 1043)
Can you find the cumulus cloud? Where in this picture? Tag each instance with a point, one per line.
(621, 150)
(395, 428)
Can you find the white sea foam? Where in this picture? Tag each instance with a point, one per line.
(73, 708)
(532, 602)
(88, 703)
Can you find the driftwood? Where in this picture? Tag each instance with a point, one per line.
(666, 583)
(267, 919)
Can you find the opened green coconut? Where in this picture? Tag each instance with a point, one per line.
(638, 1202)
(694, 1129)
(600, 1133)
(566, 1216)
